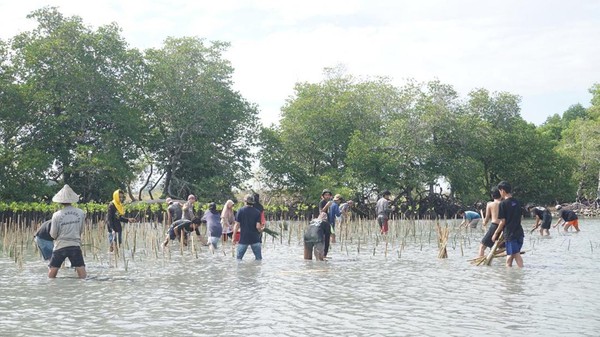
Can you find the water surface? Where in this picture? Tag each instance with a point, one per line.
(364, 290)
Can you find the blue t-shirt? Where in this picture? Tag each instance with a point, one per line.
(248, 217)
(470, 215)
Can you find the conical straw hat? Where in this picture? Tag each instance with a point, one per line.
(66, 196)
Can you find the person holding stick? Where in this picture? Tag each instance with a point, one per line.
(543, 217)
(491, 213)
(116, 215)
(509, 214)
(470, 218)
(66, 230)
(333, 213)
(567, 218)
(179, 230)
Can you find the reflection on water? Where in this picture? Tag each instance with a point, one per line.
(366, 290)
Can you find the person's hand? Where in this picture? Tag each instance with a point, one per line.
(260, 227)
(131, 219)
(494, 237)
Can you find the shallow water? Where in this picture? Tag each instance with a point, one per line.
(361, 291)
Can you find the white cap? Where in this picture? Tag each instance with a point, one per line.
(66, 196)
(558, 206)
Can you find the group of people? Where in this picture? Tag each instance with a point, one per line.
(505, 214)
(243, 227)
(60, 237)
(320, 232)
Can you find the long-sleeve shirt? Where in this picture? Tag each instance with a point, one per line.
(114, 219)
(334, 211)
(67, 227)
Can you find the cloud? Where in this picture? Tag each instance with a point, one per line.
(540, 50)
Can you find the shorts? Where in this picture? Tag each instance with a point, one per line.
(383, 223)
(547, 220)
(574, 223)
(72, 252)
(474, 222)
(487, 238)
(514, 246)
(314, 248)
(214, 241)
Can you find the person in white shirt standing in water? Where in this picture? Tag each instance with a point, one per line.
(66, 229)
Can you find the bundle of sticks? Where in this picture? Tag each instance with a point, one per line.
(443, 234)
(495, 251)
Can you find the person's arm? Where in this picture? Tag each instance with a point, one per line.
(111, 214)
(537, 223)
(169, 217)
(498, 230)
(488, 214)
(560, 219)
(236, 227)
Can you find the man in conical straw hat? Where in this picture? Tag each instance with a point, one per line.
(66, 229)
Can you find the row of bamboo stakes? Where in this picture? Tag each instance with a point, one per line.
(144, 240)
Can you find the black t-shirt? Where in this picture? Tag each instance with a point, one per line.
(44, 231)
(248, 217)
(322, 204)
(510, 211)
(567, 215)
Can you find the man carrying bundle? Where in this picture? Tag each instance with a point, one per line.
(509, 214)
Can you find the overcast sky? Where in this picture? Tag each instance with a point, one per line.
(547, 51)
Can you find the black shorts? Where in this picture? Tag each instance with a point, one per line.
(72, 252)
(547, 220)
(487, 238)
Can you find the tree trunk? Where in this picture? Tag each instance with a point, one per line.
(146, 183)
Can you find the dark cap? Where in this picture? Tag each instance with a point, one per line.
(386, 192)
(212, 206)
(325, 191)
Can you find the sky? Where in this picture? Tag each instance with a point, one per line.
(544, 51)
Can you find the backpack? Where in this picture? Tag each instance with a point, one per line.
(314, 233)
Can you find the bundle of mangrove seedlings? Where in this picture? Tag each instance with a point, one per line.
(497, 250)
(443, 234)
